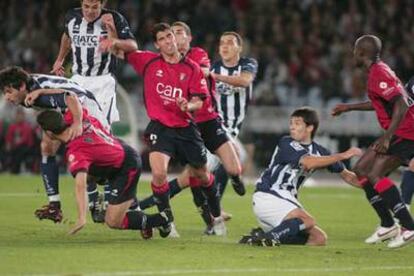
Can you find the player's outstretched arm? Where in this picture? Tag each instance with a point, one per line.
(32, 96)
(64, 50)
(350, 177)
(243, 80)
(75, 108)
(81, 200)
(342, 108)
(310, 162)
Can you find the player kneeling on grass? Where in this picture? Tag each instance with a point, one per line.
(275, 204)
(98, 153)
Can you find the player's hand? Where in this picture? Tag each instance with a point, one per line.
(351, 152)
(75, 130)
(109, 24)
(58, 68)
(339, 109)
(31, 97)
(182, 103)
(105, 44)
(382, 144)
(79, 225)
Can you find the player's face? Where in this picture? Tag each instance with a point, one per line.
(299, 131)
(357, 54)
(229, 49)
(182, 38)
(15, 96)
(91, 9)
(166, 42)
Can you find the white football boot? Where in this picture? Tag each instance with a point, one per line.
(383, 233)
(404, 238)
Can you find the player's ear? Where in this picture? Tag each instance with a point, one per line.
(156, 46)
(22, 87)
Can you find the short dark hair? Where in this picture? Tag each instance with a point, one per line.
(159, 27)
(236, 35)
(52, 120)
(13, 76)
(103, 2)
(184, 25)
(309, 116)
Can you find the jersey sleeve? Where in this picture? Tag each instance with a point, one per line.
(290, 152)
(200, 56)
(139, 60)
(68, 17)
(198, 84)
(122, 27)
(77, 162)
(385, 84)
(337, 167)
(249, 65)
(51, 101)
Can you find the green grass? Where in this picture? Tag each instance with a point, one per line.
(29, 246)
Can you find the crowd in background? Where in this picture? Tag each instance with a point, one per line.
(304, 47)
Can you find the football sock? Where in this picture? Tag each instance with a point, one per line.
(161, 196)
(287, 228)
(379, 205)
(50, 174)
(213, 198)
(139, 220)
(174, 187)
(150, 201)
(300, 238)
(107, 192)
(134, 204)
(390, 194)
(407, 186)
(202, 205)
(221, 179)
(93, 193)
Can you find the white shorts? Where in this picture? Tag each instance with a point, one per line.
(213, 161)
(270, 210)
(103, 88)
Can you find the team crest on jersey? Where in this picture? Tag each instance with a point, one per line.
(71, 158)
(182, 76)
(159, 73)
(296, 146)
(383, 85)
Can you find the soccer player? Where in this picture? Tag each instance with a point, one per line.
(211, 128)
(92, 69)
(116, 161)
(49, 92)
(275, 205)
(395, 114)
(174, 88)
(234, 77)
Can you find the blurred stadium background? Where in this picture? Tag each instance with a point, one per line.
(303, 47)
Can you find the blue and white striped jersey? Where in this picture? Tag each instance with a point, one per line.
(57, 101)
(285, 172)
(233, 101)
(87, 60)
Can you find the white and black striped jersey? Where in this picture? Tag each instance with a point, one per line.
(85, 36)
(233, 101)
(57, 101)
(285, 172)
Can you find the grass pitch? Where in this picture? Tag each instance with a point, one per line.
(29, 246)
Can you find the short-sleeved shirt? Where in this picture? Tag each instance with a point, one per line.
(285, 171)
(233, 101)
(383, 88)
(87, 59)
(95, 151)
(209, 109)
(164, 83)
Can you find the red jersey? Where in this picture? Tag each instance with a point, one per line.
(208, 111)
(94, 148)
(383, 86)
(164, 83)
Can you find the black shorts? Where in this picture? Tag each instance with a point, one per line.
(401, 148)
(183, 143)
(123, 184)
(213, 134)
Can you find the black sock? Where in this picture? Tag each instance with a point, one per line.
(201, 203)
(393, 199)
(107, 193)
(407, 186)
(221, 179)
(147, 202)
(50, 174)
(213, 199)
(174, 187)
(300, 238)
(288, 228)
(139, 220)
(93, 193)
(134, 204)
(379, 206)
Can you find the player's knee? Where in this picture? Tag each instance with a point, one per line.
(113, 222)
(308, 221)
(159, 177)
(317, 237)
(47, 148)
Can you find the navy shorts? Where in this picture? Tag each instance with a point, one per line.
(183, 143)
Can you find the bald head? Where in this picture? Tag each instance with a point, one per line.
(369, 46)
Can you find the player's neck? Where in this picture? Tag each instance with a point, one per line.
(231, 62)
(173, 58)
